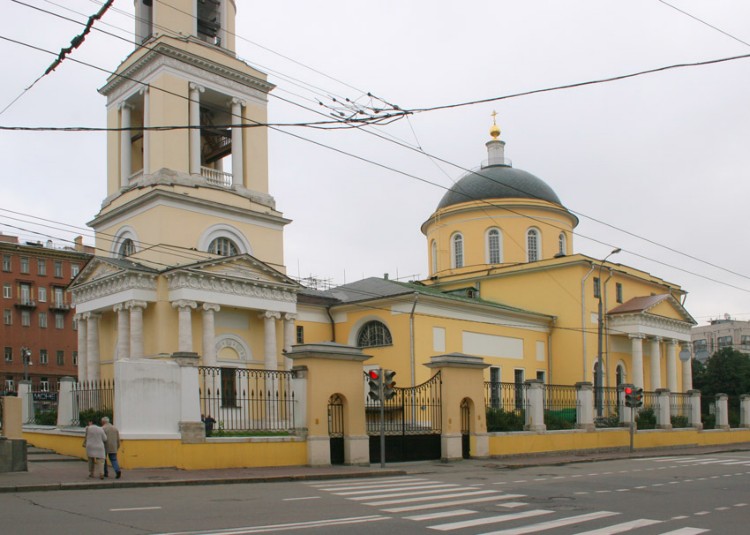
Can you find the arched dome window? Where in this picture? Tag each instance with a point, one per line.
(457, 251)
(562, 244)
(433, 256)
(533, 245)
(373, 334)
(127, 248)
(494, 246)
(223, 246)
(620, 374)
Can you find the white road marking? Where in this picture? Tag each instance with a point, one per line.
(490, 520)
(512, 505)
(444, 514)
(284, 527)
(152, 508)
(438, 505)
(303, 498)
(686, 531)
(419, 488)
(427, 498)
(533, 528)
(397, 494)
(621, 528)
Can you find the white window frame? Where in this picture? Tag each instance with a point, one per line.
(562, 244)
(7, 291)
(41, 267)
(43, 356)
(494, 252)
(42, 320)
(533, 245)
(59, 320)
(42, 294)
(433, 256)
(457, 251)
(25, 265)
(25, 318)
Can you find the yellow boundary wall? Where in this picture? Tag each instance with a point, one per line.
(212, 454)
(501, 444)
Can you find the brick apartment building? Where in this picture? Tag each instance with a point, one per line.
(37, 312)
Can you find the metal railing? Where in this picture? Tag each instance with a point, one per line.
(411, 411)
(506, 406)
(560, 406)
(242, 401)
(679, 409)
(92, 400)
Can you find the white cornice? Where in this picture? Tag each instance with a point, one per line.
(649, 325)
(109, 290)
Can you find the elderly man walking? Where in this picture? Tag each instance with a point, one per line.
(94, 443)
(112, 445)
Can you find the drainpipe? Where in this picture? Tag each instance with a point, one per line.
(333, 324)
(583, 319)
(411, 340)
(604, 320)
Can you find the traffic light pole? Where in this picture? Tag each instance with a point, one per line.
(632, 428)
(382, 420)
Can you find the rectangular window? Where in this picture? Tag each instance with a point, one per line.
(42, 294)
(518, 380)
(7, 317)
(41, 266)
(597, 288)
(25, 290)
(7, 262)
(25, 318)
(58, 269)
(724, 341)
(540, 375)
(745, 341)
(59, 298)
(43, 320)
(228, 387)
(7, 291)
(618, 289)
(495, 387)
(24, 264)
(60, 358)
(43, 356)
(10, 385)
(44, 384)
(74, 323)
(300, 334)
(75, 358)
(8, 354)
(59, 321)
(74, 270)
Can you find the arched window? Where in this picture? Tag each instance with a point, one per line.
(223, 246)
(532, 245)
(127, 248)
(457, 246)
(373, 334)
(433, 258)
(620, 374)
(562, 245)
(494, 246)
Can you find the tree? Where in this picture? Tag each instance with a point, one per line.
(727, 372)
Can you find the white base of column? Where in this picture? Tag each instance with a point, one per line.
(451, 447)
(357, 450)
(318, 451)
(481, 447)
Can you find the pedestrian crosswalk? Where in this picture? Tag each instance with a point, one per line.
(698, 461)
(447, 507)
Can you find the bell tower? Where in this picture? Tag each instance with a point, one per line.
(187, 172)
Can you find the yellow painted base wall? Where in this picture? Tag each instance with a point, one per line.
(559, 441)
(215, 454)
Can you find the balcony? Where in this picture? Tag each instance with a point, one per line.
(217, 178)
(59, 306)
(26, 304)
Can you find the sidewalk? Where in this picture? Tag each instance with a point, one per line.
(50, 471)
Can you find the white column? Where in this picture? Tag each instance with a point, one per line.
(534, 406)
(146, 131)
(195, 133)
(184, 325)
(269, 337)
(655, 363)
(636, 343)
(290, 336)
(82, 320)
(209, 334)
(238, 158)
(672, 346)
(136, 328)
(123, 331)
(687, 375)
(585, 406)
(125, 145)
(92, 347)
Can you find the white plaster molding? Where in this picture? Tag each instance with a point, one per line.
(110, 290)
(237, 344)
(222, 230)
(211, 306)
(269, 314)
(184, 303)
(182, 280)
(650, 325)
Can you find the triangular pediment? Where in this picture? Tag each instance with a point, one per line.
(663, 306)
(100, 268)
(240, 268)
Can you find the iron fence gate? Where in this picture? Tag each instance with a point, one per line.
(412, 421)
(336, 428)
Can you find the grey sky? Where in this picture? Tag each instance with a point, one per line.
(662, 156)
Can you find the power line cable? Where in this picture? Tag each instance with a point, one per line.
(704, 22)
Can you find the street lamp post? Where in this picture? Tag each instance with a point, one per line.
(599, 376)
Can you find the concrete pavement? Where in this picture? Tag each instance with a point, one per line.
(49, 471)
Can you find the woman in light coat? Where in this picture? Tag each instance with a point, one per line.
(95, 451)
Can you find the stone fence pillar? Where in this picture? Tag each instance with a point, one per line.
(27, 401)
(12, 417)
(535, 406)
(745, 410)
(722, 411)
(585, 406)
(626, 413)
(663, 414)
(333, 369)
(694, 416)
(67, 408)
(191, 428)
(462, 379)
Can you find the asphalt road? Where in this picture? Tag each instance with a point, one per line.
(661, 495)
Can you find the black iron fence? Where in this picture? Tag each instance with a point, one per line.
(560, 406)
(679, 409)
(411, 411)
(2, 410)
(42, 408)
(92, 400)
(246, 401)
(506, 406)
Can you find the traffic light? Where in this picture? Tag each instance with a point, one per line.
(373, 382)
(389, 384)
(629, 397)
(638, 397)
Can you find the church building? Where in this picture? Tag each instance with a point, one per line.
(194, 244)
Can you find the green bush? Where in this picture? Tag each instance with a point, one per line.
(93, 415)
(679, 421)
(46, 417)
(709, 421)
(499, 420)
(646, 419)
(560, 419)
